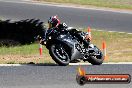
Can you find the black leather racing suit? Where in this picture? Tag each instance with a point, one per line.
(64, 29)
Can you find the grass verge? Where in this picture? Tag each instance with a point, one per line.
(24, 54)
(121, 4)
(119, 49)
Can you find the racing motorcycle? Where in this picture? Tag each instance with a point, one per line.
(65, 47)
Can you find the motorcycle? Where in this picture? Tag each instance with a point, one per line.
(65, 46)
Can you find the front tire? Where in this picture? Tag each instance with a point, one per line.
(59, 54)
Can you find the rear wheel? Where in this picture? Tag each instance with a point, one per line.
(98, 59)
(59, 54)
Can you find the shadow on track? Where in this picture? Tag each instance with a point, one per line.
(40, 64)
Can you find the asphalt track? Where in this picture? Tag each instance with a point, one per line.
(46, 76)
(99, 19)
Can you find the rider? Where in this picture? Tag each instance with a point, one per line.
(54, 23)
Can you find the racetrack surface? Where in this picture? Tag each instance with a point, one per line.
(46, 76)
(99, 19)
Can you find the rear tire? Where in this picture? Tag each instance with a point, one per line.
(57, 56)
(96, 60)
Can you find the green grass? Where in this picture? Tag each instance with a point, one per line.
(21, 50)
(119, 49)
(122, 4)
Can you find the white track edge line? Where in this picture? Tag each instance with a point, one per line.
(69, 64)
(103, 63)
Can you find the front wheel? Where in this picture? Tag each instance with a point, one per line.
(59, 54)
(98, 59)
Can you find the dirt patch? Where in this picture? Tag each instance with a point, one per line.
(23, 59)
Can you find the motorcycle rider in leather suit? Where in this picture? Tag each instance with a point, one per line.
(54, 23)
